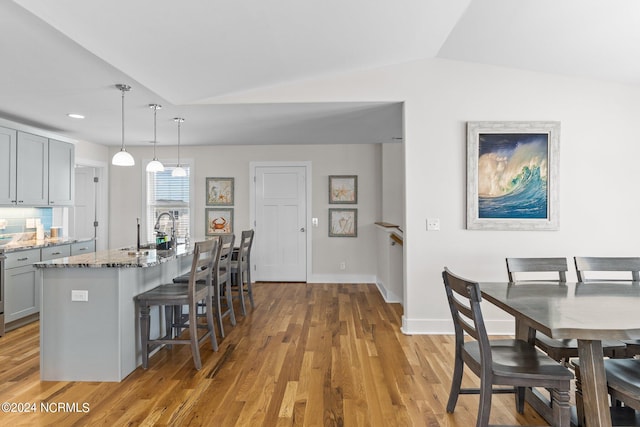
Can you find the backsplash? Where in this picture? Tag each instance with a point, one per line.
(14, 220)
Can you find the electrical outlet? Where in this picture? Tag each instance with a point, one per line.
(80, 296)
(343, 265)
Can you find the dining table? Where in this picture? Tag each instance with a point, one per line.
(586, 311)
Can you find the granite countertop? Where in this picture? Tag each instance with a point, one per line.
(19, 245)
(118, 258)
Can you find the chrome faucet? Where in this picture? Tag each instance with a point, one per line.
(173, 227)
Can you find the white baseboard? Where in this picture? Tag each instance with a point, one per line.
(445, 327)
(341, 278)
(389, 296)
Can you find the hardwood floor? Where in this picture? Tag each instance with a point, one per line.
(307, 355)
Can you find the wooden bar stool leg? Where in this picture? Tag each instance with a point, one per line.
(249, 287)
(193, 335)
(218, 307)
(144, 333)
(229, 296)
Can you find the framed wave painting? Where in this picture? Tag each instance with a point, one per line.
(512, 175)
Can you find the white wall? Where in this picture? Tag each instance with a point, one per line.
(364, 160)
(599, 151)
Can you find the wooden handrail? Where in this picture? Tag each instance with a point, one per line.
(396, 238)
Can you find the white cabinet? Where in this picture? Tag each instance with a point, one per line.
(8, 156)
(83, 247)
(22, 287)
(61, 173)
(32, 170)
(35, 171)
(54, 252)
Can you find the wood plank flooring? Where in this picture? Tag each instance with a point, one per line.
(307, 355)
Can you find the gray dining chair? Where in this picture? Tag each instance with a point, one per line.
(560, 350)
(198, 288)
(623, 385)
(607, 269)
(513, 363)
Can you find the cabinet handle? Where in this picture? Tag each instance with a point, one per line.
(23, 259)
(20, 201)
(82, 249)
(51, 202)
(56, 253)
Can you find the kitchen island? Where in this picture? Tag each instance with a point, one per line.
(88, 326)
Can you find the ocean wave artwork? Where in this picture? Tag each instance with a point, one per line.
(513, 176)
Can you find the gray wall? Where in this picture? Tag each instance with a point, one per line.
(364, 160)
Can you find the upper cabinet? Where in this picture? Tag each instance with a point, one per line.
(32, 184)
(61, 173)
(8, 157)
(35, 171)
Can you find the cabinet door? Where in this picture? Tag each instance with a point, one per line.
(7, 166)
(32, 170)
(61, 173)
(22, 294)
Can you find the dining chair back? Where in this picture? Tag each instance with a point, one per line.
(607, 267)
(508, 362)
(537, 265)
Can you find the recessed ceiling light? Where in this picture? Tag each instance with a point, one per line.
(75, 116)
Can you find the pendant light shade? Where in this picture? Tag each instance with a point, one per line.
(179, 170)
(155, 165)
(122, 157)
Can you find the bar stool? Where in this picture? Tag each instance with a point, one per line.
(221, 281)
(241, 267)
(198, 288)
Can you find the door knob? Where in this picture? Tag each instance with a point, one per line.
(302, 230)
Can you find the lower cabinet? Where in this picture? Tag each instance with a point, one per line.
(22, 285)
(22, 292)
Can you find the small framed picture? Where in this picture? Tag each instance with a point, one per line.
(219, 191)
(218, 221)
(343, 189)
(343, 222)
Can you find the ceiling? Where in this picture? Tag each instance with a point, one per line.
(66, 56)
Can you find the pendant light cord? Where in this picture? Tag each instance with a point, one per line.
(123, 90)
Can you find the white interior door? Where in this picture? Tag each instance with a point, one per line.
(84, 212)
(280, 243)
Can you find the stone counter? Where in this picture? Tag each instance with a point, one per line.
(21, 245)
(119, 258)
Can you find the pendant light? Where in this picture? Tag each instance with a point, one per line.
(122, 158)
(155, 165)
(179, 170)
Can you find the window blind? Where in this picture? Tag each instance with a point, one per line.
(166, 193)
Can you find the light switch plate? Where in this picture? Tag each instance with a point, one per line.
(433, 224)
(314, 221)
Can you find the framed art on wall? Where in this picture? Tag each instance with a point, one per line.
(343, 189)
(343, 222)
(512, 175)
(219, 191)
(218, 221)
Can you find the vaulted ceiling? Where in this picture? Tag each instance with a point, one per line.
(65, 56)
